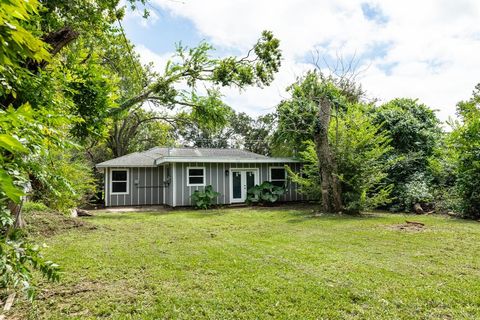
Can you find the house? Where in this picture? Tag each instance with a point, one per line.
(169, 176)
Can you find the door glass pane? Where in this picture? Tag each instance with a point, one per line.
(250, 180)
(237, 185)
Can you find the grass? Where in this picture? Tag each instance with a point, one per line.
(265, 263)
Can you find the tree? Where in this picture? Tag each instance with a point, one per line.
(465, 137)
(138, 131)
(360, 148)
(315, 99)
(415, 132)
(241, 131)
(22, 138)
(195, 66)
(42, 101)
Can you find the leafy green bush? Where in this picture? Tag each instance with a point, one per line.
(203, 199)
(265, 193)
(466, 139)
(417, 190)
(31, 206)
(19, 258)
(62, 180)
(415, 134)
(309, 179)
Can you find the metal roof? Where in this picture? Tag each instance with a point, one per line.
(159, 155)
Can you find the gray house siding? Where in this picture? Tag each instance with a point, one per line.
(169, 187)
(216, 177)
(145, 187)
(146, 184)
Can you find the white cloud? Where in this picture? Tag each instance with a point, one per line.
(432, 46)
(159, 60)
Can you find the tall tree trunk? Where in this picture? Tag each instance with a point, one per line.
(16, 212)
(330, 186)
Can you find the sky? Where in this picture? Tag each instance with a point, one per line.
(427, 50)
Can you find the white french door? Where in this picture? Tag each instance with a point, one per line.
(242, 180)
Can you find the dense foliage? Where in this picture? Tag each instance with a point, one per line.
(240, 131)
(348, 152)
(360, 148)
(465, 138)
(265, 193)
(415, 136)
(203, 199)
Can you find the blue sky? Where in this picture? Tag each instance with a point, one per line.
(426, 50)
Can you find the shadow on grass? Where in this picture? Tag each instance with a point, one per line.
(301, 216)
(130, 215)
(200, 214)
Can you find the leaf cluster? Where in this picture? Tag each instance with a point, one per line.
(265, 193)
(203, 199)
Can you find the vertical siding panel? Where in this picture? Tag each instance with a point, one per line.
(160, 186)
(214, 175)
(167, 188)
(171, 195)
(158, 189)
(188, 190)
(227, 184)
(174, 184)
(182, 179)
(141, 186)
(147, 186)
(133, 187)
(151, 179)
(162, 178)
(164, 189)
(143, 194)
(110, 202)
(221, 182)
(107, 191)
(137, 189)
(183, 182)
(154, 186)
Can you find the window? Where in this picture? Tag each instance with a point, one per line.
(278, 176)
(119, 181)
(195, 176)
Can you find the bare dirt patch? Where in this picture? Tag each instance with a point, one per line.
(408, 226)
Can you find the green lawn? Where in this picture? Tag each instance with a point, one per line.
(266, 263)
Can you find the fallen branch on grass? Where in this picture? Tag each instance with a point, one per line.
(415, 223)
